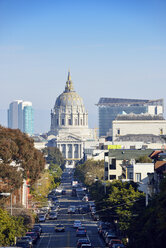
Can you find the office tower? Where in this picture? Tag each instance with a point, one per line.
(13, 114)
(109, 108)
(20, 115)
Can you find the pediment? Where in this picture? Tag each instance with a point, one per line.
(69, 137)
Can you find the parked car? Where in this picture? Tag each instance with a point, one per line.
(81, 232)
(77, 223)
(118, 246)
(63, 192)
(33, 235)
(59, 228)
(82, 241)
(86, 246)
(28, 239)
(52, 216)
(39, 227)
(23, 244)
(37, 231)
(42, 218)
(114, 241)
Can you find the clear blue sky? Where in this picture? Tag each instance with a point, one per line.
(114, 48)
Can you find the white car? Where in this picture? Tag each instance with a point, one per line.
(77, 223)
(42, 218)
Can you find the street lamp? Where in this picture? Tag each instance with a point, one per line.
(7, 194)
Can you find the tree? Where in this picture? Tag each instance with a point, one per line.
(149, 227)
(53, 156)
(144, 159)
(90, 171)
(16, 147)
(10, 227)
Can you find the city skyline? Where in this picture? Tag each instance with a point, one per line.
(113, 49)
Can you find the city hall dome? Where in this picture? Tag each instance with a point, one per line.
(69, 98)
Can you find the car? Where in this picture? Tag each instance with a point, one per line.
(82, 241)
(33, 235)
(108, 237)
(59, 228)
(85, 198)
(95, 217)
(37, 231)
(42, 218)
(114, 241)
(86, 246)
(118, 246)
(23, 244)
(39, 227)
(77, 223)
(71, 209)
(28, 239)
(81, 232)
(63, 192)
(52, 216)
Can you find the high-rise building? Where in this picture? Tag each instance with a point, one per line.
(20, 115)
(109, 108)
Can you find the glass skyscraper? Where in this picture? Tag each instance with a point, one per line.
(109, 108)
(21, 116)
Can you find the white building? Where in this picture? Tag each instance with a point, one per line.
(128, 127)
(138, 172)
(69, 125)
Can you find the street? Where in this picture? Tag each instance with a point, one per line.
(50, 238)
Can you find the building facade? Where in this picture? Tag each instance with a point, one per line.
(144, 124)
(69, 125)
(109, 108)
(21, 116)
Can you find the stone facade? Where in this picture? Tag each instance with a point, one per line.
(69, 125)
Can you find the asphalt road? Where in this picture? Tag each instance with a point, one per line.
(50, 238)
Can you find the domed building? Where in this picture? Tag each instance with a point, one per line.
(69, 124)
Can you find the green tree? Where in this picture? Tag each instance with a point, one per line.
(144, 159)
(90, 171)
(53, 155)
(10, 227)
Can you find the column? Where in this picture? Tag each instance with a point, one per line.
(66, 148)
(78, 150)
(72, 145)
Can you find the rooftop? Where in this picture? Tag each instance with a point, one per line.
(141, 117)
(106, 101)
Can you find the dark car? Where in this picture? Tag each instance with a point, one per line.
(81, 232)
(27, 238)
(63, 192)
(33, 235)
(39, 227)
(23, 244)
(82, 241)
(37, 231)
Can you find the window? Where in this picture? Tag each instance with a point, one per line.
(63, 122)
(113, 164)
(76, 122)
(138, 177)
(106, 168)
(112, 177)
(130, 175)
(69, 121)
(118, 131)
(81, 122)
(57, 122)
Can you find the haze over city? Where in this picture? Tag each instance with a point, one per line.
(112, 48)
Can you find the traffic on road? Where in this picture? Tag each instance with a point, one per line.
(70, 220)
